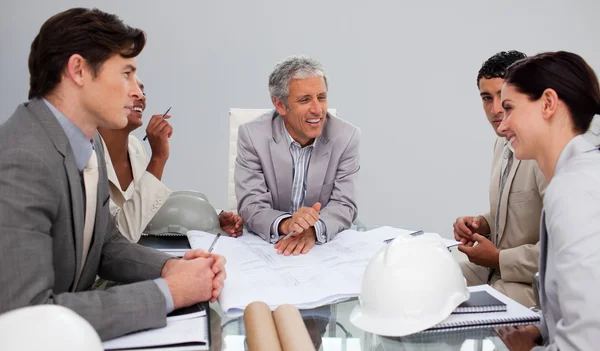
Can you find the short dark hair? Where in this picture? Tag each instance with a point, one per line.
(93, 34)
(568, 74)
(495, 66)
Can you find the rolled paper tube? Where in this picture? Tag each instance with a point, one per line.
(261, 333)
(291, 329)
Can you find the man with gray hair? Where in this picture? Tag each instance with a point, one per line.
(297, 165)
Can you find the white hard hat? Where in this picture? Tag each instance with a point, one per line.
(182, 211)
(47, 327)
(409, 286)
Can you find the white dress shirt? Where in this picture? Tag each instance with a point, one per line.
(300, 161)
(135, 207)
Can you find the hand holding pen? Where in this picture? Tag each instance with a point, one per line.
(164, 116)
(158, 132)
(300, 221)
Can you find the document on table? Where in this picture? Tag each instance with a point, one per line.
(178, 334)
(326, 274)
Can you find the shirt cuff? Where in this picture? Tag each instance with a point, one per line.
(164, 288)
(321, 231)
(275, 228)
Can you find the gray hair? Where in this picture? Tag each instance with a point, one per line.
(293, 67)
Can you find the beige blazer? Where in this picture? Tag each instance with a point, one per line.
(134, 209)
(263, 174)
(519, 227)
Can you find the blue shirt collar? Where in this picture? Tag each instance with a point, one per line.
(82, 147)
(291, 140)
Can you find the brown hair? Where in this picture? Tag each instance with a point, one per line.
(566, 73)
(93, 34)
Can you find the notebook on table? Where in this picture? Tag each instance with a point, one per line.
(186, 329)
(480, 302)
(515, 314)
(174, 244)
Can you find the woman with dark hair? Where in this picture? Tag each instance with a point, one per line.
(135, 186)
(550, 100)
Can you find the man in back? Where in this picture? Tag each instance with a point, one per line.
(56, 231)
(296, 167)
(507, 251)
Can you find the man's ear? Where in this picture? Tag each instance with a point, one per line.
(76, 68)
(280, 106)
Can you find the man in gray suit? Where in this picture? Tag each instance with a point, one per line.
(296, 167)
(56, 231)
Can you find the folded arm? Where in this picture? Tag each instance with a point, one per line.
(135, 214)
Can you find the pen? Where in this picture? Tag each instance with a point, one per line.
(417, 233)
(287, 236)
(212, 246)
(163, 116)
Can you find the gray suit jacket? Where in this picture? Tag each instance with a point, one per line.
(41, 233)
(263, 173)
(569, 259)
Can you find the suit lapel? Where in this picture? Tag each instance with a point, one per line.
(282, 165)
(543, 258)
(317, 167)
(119, 199)
(504, 200)
(137, 167)
(76, 191)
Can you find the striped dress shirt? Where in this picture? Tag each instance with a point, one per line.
(300, 160)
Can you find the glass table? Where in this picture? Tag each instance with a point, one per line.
(331, 330)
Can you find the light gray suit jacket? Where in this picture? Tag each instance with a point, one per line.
(263, 173)
(41, 233)
(569, 251)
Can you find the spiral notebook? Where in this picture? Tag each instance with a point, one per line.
(176, 245)
(186, 329)
(515, 314)
(479, 302)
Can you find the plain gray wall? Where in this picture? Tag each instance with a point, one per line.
(404, 72)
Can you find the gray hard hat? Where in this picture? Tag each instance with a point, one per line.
(182, 211)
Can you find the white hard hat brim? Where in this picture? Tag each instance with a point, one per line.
(394, 327)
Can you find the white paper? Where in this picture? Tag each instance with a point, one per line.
(187, 316)
(176, 253)
(201, 240)
(176, 332)
(326, 274)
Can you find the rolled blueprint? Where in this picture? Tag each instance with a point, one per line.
(261, 333)
(291, 329)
